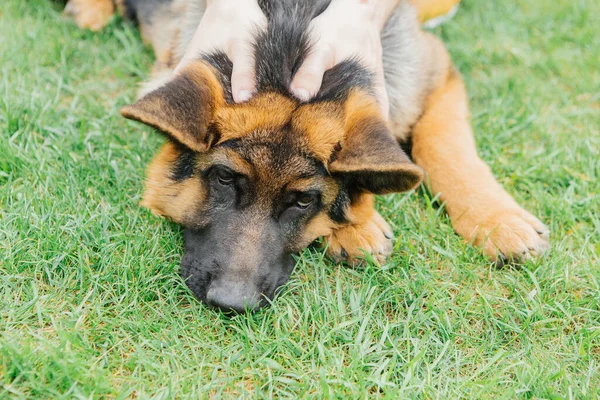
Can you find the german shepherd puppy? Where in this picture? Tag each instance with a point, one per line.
(254, 183)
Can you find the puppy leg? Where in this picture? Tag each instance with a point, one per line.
(90, 14)
(367, 232)
(480, 209)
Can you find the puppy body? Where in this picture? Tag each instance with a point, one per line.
(338, 145)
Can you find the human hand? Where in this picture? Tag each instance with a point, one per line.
(346, 29)
(228, 26)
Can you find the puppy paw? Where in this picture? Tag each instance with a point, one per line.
(90, 14)
(350, 243)
(506, 235)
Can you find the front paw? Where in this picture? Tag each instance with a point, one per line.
(505, 235)
(351, 242)
(90, 14)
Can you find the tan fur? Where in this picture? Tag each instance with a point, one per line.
(232, 159)
(166, 197)
(324, 126)
(480, 209)
(358, 107)
(319, 226)
(367, 232)
(204, 74)
(266, 110)
(90, 14)
(327, 124)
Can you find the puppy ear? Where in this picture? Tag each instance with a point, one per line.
(370, 157)
(183, 108)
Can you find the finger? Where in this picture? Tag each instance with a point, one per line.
(308, 79)
(243, 78)
(242, 82)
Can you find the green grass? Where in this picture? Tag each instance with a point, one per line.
(91, 304)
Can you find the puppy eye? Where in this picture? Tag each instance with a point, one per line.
(305, 201)
(224, 178)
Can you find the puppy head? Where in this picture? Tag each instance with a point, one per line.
(254, 183)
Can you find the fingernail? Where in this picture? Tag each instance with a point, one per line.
(243, 95)
(301, 94)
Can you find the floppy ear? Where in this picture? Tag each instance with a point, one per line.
(183, 108)
(371, 158)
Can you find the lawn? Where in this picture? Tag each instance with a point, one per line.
(92, 306)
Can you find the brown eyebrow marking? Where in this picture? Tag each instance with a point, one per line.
(304, 185)
(360, 106)
(235, 161)
(324, 184)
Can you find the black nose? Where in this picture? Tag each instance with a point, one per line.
(231, 297)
